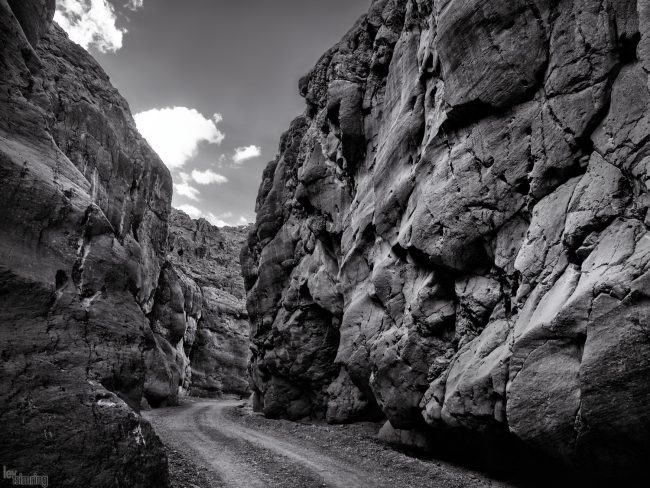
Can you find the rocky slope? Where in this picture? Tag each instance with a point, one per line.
(455, 233)
(199, 319)
(84, 208)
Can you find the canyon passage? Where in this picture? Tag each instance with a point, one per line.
(446, 283)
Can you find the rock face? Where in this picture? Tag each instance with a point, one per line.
(455, 233)
(199, 318)
(83, 210)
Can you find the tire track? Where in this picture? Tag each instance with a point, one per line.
(241, 457)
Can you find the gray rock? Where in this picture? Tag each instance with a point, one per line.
(198, 320)
(84, 207)
(460, 217)
(109, 303)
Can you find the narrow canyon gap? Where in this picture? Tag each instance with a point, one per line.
(453, 239)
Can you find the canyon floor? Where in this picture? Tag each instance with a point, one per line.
(222, 443)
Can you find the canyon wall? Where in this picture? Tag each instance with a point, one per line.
(109, 300)
(454, 234)
(83, 211)
(199, 319)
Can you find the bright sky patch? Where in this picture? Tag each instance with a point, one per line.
(176, 132)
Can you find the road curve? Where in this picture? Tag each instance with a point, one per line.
(233, 452)
(239, 449)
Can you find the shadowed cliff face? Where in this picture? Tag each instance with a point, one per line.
(83, 211)
(199, 319)
(454, 234)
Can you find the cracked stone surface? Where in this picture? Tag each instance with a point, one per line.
(83, 210)
(455, 232)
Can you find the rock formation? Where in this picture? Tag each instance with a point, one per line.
(83, 210)
(107, 301)
(199, 319)
(455, 233)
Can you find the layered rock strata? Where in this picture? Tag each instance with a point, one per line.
(455, 232)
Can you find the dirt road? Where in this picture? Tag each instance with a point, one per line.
(223, 444)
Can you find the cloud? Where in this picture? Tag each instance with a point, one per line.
(176, 132)
(190, 210)
(245, 153)
(134, 4)
(221, 220)
(208, 177)
(90, 23)
(185, 188)
(218, 220)
(225, 220)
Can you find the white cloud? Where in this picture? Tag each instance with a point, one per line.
(134, 4)
(190, 210)
(226, 220)
(245, 153)
(221, 220)
(176, 132)
(90, 23)
(208, 177)
(185, 188)
(218, 220)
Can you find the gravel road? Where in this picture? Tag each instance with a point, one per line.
(224, 444)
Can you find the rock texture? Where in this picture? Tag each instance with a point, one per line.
(83, 210)
(455, 233)
(199, 318)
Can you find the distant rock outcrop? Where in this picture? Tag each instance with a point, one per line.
(199, 317)
(455, 233)
(83, 231)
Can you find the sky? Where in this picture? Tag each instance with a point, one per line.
(212, 84)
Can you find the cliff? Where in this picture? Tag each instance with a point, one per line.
(84, 208)
(455, 233)
(109, 300)
(199, 319)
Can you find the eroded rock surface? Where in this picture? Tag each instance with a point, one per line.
(199, 317)
(455, 232)
(83, 230)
